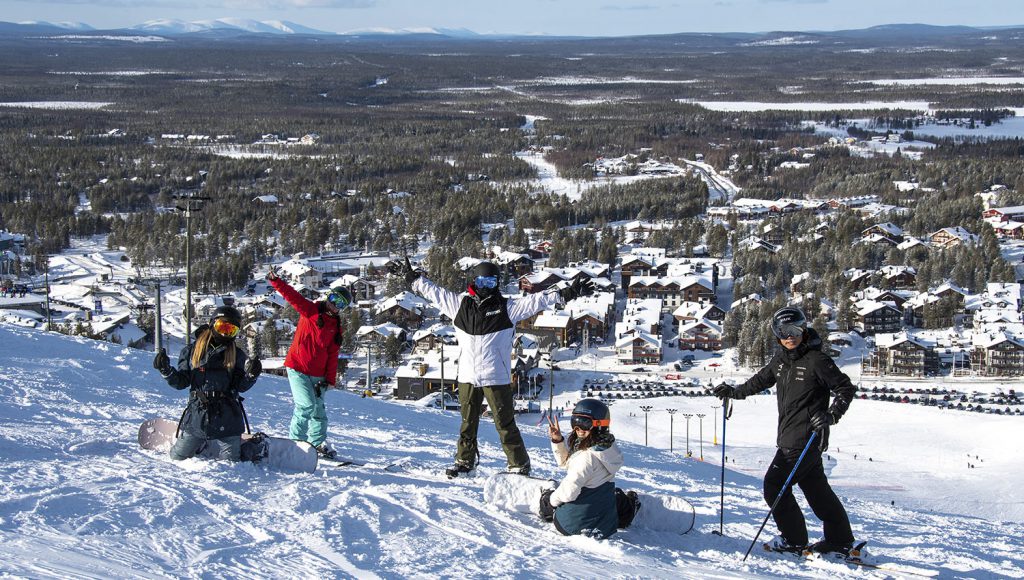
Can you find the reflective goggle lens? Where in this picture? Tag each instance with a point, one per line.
(338, 300)
(582, 422)
(486, 282)
(224, 328)
(790, 331)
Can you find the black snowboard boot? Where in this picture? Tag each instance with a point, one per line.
(326, 451)
(459, 469)
(827, 547)
(523, 470)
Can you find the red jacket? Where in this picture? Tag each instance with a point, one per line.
(313, 351)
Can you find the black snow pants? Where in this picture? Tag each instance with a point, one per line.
(818, 493)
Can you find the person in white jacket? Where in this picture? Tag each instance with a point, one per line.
(485, 322)
(586, 501)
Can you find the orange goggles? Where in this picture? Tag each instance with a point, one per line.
(224, 328)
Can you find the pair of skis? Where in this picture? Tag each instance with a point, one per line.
(857, 557)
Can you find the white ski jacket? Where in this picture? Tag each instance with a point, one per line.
(588, 468)
(484, 328)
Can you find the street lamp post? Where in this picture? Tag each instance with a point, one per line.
(688, 416)
(700, 416)
(646, 409)
(192, 202)
(714, 435)
(671, 427)
(46, 275)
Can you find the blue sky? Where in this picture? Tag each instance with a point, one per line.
(556, 17)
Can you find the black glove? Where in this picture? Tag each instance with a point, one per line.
(162, 363)
(547, 511)
(321, 387)
(579, 287)
(724, 392)
(822, 419)
(253, 368)
(404, 269)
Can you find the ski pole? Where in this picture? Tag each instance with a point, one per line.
(726, 413)
(782, 491)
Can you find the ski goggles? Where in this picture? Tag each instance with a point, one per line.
(338, 300)
(586, 422)
(224, 328)
(789, 331)
(486, 281)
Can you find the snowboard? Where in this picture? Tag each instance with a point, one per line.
(657, 513)
(285, 454)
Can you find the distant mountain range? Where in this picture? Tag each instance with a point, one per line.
(244, 26)
(174, 27)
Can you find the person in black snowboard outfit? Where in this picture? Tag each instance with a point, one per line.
(215, 371)
(804, 377)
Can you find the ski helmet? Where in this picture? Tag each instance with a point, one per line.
(486, 279)
(788, 322)
(229, 313)
(591, 414)
(340, 297)
(226, 323)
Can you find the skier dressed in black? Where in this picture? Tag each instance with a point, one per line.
(804, 377)
(215, 371)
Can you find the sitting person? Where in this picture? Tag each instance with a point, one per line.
(587, 501)
(215, 371)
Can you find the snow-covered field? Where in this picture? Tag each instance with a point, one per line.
(79, 499)
(754, 106)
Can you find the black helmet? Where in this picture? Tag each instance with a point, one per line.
(591, 414)
(229, 313)
(340, 297)
(482, 271)
(788, 322)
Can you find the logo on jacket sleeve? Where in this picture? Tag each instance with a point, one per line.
(493, 312)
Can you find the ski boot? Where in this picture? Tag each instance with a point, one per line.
(825, 548)
(780, 544)
(459, 469)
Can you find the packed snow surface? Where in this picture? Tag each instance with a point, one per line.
(79, 499)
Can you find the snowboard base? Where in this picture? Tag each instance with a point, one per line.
(159, 434)
(657, 513)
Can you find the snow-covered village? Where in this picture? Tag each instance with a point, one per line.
(439, 314)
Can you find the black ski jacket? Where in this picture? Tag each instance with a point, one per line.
(214, 406)
(804, 378)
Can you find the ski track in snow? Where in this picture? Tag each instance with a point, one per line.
(79, 499)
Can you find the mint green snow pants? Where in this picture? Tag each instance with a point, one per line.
(309, 418)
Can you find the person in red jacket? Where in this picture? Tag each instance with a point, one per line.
(312, 360)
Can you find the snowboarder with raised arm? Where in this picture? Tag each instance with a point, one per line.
(312, 360)
(586, 501)
(215, 371)
(485, 323)
(804, 378)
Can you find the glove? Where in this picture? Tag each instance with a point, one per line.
(162, 363)
(321, 387)
(272, 275)
(579, 287)
(547, 511)
(822, 419)
(724, 392)
(404, 269)
(253, 368)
